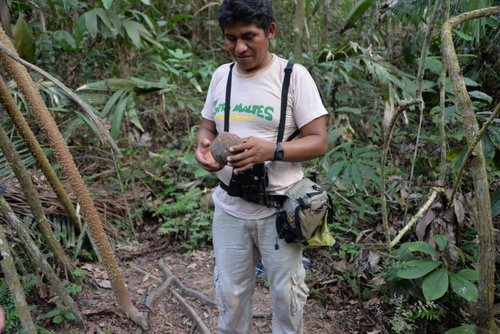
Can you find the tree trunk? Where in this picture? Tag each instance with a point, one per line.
(30, 140)
(63, 155)
(485, 322)
(298, 30)
(29, 190)
(40, 263)
(15, 287)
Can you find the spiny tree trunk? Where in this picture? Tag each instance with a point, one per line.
(63, 155)
(29, 138)
(485, 322)
(40, 263)
(15, 287)
(29, 190)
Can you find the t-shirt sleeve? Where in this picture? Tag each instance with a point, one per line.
(209, 106)
(307, 102)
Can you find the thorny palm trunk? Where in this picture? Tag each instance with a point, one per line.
(29, 138)
(485, 322)
(63, 155)
(39, 262)
(29, 190)
(15, 287)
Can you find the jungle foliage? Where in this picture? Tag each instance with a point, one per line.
(144, 66)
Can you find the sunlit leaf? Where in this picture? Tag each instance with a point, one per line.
(463, 287)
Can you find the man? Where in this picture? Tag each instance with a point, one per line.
(244, 232)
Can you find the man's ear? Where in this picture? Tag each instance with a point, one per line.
(272, 31)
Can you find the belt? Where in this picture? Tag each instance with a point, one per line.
(264, 199)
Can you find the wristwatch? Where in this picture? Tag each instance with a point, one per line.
(279, 153)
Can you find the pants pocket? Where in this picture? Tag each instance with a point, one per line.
(300, 291)
(217, 289)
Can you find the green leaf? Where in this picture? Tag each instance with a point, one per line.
(441, 241)
(494, 134)
(463, 287)
(24, 40)
(133, 32)
(355, 111)
(58, 319)
(335, 169)
(90, 19)
(422, 246)
(418, 268)
(107, 3)
(69, 316)
(495, 203)
(481, 96)
(52, 313)
(469, 274)
(357, 12)
(457, 158)
(116, 120)
(370, 174)
(463, 35)
(464, 329)
(356, 176)
(435, 285)
(335, 134)
(434, 65)
(489, 149)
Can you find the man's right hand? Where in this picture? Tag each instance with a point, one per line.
(204, 157)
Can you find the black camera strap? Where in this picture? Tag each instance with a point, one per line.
(227, 105)
(284, 101)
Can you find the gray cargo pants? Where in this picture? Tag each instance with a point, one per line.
(238, 245)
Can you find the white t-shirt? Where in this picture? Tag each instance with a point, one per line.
(255, 111)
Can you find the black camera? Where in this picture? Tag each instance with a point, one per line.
(249, 184)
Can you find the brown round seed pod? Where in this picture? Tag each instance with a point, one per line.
(221, 144)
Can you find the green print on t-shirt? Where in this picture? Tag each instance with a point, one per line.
(257, 110)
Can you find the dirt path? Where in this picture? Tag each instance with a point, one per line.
(331, 307)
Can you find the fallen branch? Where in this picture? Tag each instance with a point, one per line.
(204, 329)
(162, 289)
(419, 215)
(191, 292)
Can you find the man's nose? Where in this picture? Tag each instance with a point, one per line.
(240, 47)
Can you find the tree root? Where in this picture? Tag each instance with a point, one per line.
(159, 292)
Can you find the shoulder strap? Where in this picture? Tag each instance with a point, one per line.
(227, 105)
(284, 100)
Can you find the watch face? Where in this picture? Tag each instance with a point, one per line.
(278, 155)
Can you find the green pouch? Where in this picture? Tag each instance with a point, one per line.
(321, 236)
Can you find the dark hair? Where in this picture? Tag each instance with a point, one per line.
(259, 12)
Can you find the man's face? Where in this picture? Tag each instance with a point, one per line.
(249, 45)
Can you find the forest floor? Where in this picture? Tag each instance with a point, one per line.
(331, 307)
